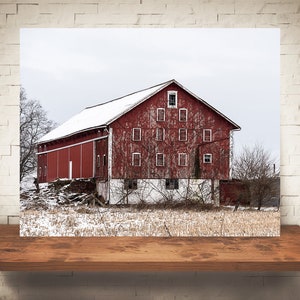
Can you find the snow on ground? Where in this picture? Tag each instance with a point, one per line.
(72, 221)
(42, 215)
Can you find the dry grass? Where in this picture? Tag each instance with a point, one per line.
(129, 221)
(54, 212)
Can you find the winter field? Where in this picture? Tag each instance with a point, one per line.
(47, 214)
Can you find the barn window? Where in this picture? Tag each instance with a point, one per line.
(172, 184)
(160, 161)
(136, 159)
(183, 115)
(160, 134)
(172, 99)
(207, 135)
(160, 115)
(182, 159)
(136, 134)
(130, 184)
(207, 158)
(104, 159)
(182, 135)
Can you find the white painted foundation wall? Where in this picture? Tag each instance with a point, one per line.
(154, 191)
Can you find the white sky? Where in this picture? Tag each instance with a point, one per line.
(234, 70)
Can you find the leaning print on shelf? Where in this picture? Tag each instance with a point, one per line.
(149, 132)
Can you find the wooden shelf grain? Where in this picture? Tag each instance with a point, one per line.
(149, 254)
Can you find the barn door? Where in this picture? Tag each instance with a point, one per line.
(100, 159)
(42, 168)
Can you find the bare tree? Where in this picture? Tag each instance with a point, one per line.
(256, 170)
(33, 125)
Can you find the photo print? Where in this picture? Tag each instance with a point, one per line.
(163, 132)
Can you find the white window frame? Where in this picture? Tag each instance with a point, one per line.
(176, 99)
(133, 159)
(185, 159)
(204, 135)
(186, 114)
(179, 135)
(209, 156)
(163, 160)
(157, 114)
(140, 134)
(163, 134)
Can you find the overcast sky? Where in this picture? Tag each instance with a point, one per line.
(234, 70)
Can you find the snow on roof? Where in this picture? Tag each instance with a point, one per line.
(105, 113)
(102, 114)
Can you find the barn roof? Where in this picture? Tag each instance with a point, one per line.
(103, 114)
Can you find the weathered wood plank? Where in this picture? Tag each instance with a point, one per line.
(131, 254)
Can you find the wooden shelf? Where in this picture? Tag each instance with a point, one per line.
(149, 254)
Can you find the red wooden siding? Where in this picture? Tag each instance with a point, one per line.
(55, 161)
(87, 160)
(52, 165)
(233, 191)
(42, 168)
(76, 157)
(62, 162)
(144, 116)
(101, 159)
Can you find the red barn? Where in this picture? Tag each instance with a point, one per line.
(158, 143)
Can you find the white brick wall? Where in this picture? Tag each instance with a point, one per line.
(15, 14)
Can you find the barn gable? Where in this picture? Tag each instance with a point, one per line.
(147, 144)
(105, 113)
